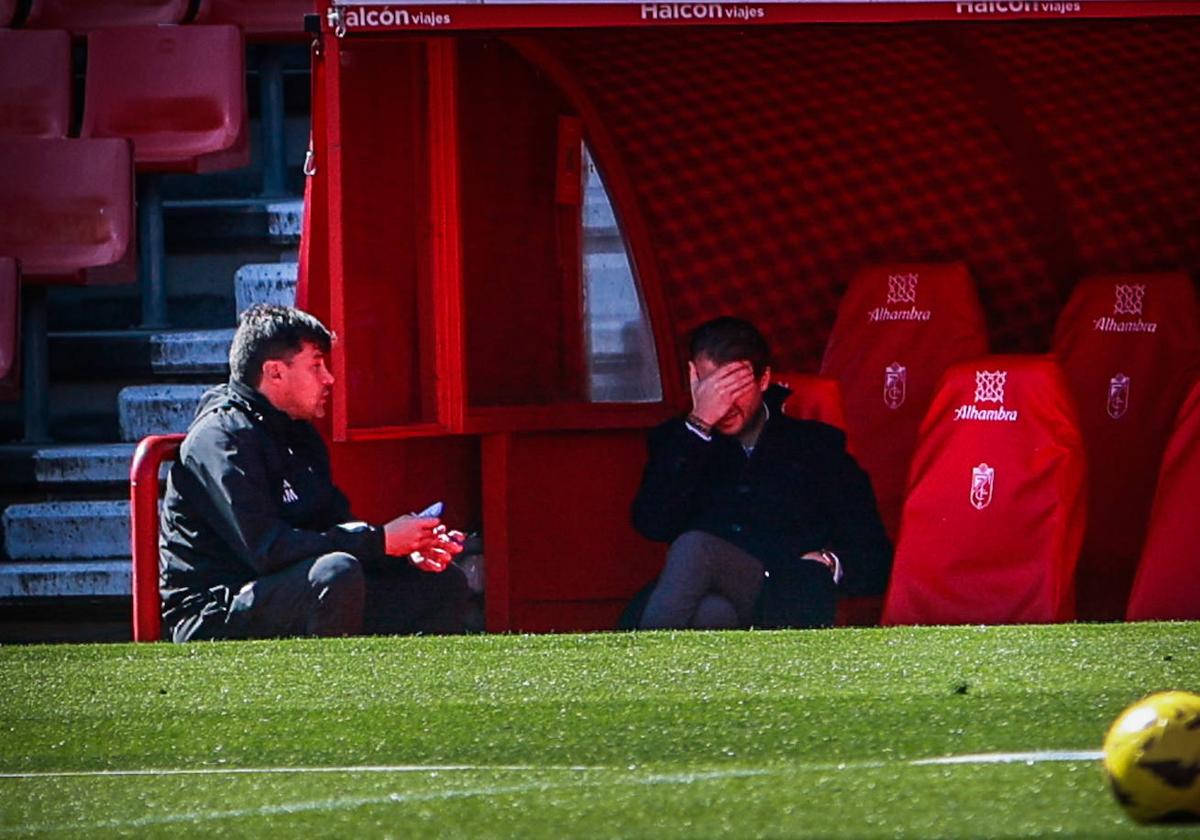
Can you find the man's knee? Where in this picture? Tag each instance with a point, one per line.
(337, 578)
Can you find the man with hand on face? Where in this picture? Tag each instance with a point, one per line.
(256, 541)
(768, 518)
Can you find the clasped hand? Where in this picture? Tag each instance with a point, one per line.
(429, 544)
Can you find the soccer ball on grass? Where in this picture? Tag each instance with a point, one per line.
(1152, 758)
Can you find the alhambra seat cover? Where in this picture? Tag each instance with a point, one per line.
(1167, 584)
(1128, 346)
(898, 327)
(994, 518)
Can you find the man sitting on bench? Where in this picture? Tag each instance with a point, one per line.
(256, 541)
(768, 517)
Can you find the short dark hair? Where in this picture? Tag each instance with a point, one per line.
(728, 339)
(265, 332)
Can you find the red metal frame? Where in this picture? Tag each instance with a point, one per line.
(143, 510)
(371, 17)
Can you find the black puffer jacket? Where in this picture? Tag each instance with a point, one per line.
(250, 494)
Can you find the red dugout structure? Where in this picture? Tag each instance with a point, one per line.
(506, 340)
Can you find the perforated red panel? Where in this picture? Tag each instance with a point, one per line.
(771, 165)
(995, 512)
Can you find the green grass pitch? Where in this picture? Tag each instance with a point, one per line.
(657, 735)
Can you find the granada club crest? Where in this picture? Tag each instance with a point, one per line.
(1118, 396)
(983, 481)
(895, 379)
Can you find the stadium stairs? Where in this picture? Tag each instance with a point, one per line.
(65, 572)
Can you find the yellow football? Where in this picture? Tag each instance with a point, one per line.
(1152, 758)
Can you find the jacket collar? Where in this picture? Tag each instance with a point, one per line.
(258, 406)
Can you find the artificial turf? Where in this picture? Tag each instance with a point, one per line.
(805, 733)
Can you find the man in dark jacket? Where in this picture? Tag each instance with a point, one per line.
(769, 518)
(256, 541)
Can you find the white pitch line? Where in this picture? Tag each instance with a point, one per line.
(346, 803)
(1014, 757)
(361, 768)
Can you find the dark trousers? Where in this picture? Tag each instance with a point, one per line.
(709, 583)
(332, 595)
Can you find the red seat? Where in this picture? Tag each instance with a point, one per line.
(813, 398)
(8, 9)
(65, 205)
(10, 326)
(178, 92)
(1167, 584)
(83, 17)
(35, 83)
(995, 512)
(1129, 346)
(898, 328)
(259, 19)
(143, 518)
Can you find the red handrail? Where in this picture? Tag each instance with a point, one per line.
(143, 508)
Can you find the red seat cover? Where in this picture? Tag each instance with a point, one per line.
(35, 83)
(1167, 584)
(812, 398)
(81, 17)
(1129, 346)
(898, 328)
(995, 511)
(10, 323)
(65, 205)
(177, 92)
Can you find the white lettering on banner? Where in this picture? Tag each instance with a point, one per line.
(989, 387)
(372, 18)
(700, 11)
(1107, 324)
(1017, 7)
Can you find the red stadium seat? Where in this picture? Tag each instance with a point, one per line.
(10, 326)
(35, 83)
(259, 19)
(1129, 346)
(8, 9)
(177, 92)
(812, 398)
(1167, 584)
(995, 512)
(143, 510)
(898, 328)
(82, 17)
(65, 205)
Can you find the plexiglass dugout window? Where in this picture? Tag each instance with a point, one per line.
(553, 311)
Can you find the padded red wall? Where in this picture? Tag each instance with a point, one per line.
(770, 165)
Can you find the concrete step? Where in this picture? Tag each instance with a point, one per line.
(107, 577)
(132, 353)
(62, 464)
(66, 530)
(156, 409)
(265, 283)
